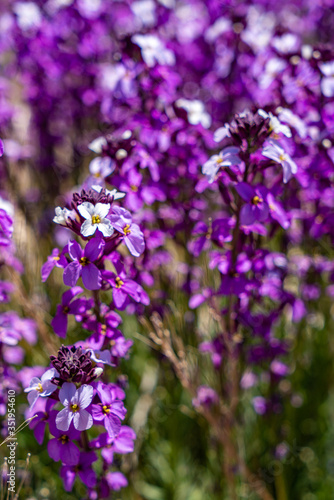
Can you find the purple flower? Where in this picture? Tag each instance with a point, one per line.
(61, 448)
(111, 410)
(75, 402)
(82, 264)
(123, 287)
(116, 480)
(53, 260)
(226, 158)
(95, 216)
(275, 152)
(68, 306)
(277, 212)
(133, 237)
(206, 396)
(123, 443)
(83, 469)
(256, 208)
(41, 387)
(41, 419)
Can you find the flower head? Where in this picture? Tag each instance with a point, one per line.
(75, 401)
(95, 216)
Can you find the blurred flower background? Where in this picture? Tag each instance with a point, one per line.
(166, 236)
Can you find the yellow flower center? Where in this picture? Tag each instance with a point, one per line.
(39, 388)
(97, 175)
(256, 200)
(219, 161)
(105, 409)
(126, 229)
(63, 439)
(134, 188)
(119, 282)
(282, 157)
(96, 219)
(84, 261)
(103, 329)
(74, 408)
(56, 258)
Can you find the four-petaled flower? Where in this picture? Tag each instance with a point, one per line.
(256, 208)
(226, 158)
(61, 447)
(111, 410)
(75, 402)
(95, 216)
(82, 264)
(68, 306)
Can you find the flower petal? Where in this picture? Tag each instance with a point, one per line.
(86, 210)
(63, 419)
(72, 273)
(82, 420)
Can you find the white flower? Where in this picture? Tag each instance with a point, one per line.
(286, 44)
(95, 216)
(327, 83)
(153, 50)
(226, 158)
(7, 206)
(218, 28)
(28, 15)
(144, 10)
(62, 216)
(274, 67)
(196, 112)
(118, 195)
(97, 144)
(274, 124)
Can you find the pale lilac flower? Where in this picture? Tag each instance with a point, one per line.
(103, 357)
(226, 158)
(218, 28)
(75, 402)
(41, 387)
(196, 112)
(275, 152)
(272, 69)
(101, 166)
(153, 50)
(274, 124)
(286, 44)
(144, 10)
(287, 116)
(95, 216)
(221, 133)
(327, 83)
